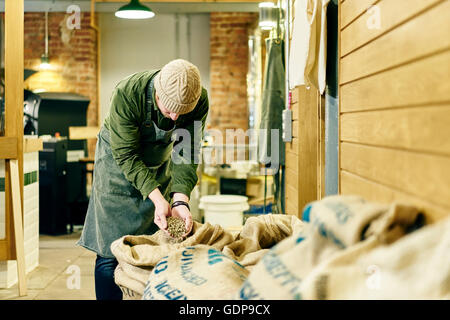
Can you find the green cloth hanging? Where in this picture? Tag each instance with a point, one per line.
(273, 101)
(273, 104)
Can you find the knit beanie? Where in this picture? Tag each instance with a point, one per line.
(178, 86)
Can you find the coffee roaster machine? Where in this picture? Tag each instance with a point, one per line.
(63, 199)
(62, 187)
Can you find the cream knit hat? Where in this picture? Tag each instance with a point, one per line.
(178, 86)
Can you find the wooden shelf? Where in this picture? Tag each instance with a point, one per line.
(82, 133)
(8, 148)
(32, 144)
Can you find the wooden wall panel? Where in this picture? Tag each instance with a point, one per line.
(374, 191)
(293, 177)
(292, 160)
(424, 175)
(431, 32)
(392, 12)
(295, 124)
(294, 98)
(291, 207)
(308, 145)
(292, 155)
(304, 168)
(426, 81)
(394, 92)
(351, 9)
(409, 128)
(292, 147)
(295, 113)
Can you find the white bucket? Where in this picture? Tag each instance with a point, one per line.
(225, 210)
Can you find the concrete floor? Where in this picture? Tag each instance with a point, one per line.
(56, 276)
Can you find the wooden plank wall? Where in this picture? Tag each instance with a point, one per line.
(292, 163)
(305, 156)
(394, 96)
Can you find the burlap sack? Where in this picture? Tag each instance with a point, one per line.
(133, 290)
(335, 223)
(416, 266)
(137, 255)
(258, 235)
(196, 273)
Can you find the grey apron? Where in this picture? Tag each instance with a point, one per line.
(116, 208)
(273, 103)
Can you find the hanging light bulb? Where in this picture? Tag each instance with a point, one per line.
(134, 10)
(267, 18)
(45, 61)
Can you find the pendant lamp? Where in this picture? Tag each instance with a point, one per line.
(45, 61)
(134, 10)
(267, 15)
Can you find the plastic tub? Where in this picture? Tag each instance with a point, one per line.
(224, 210)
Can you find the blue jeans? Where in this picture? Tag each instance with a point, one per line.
(105, 287)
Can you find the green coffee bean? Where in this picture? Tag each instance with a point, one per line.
(176, 227)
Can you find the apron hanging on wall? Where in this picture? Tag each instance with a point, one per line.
(273, 103)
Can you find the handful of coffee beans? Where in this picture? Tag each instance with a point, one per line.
(176, 227)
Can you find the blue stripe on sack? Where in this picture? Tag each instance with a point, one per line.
(306, 213)
(299, 239)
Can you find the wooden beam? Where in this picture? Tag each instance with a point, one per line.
(4, 244)
(321, 149)
(14, 85)
(32, 145)
(9, 148)
(191, 1)
(82, 133)
(18, 226)
(98, 57)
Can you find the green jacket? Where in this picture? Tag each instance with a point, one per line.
(149, 166)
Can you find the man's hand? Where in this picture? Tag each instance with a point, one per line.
(182, 212)
(162, 209)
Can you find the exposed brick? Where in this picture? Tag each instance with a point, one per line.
(70, 62)
(228, 69)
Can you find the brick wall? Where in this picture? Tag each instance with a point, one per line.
(228, 69)
(74, 63)
(72, 56)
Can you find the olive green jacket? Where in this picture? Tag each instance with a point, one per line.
(149, 166)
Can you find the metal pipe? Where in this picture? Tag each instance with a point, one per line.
(46, 33)
(286, 47)
(177, 36)
(97, 31)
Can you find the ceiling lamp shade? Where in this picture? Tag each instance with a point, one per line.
(134, 10)
(267, 15)
(45, 62)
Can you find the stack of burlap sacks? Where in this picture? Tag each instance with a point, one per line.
(343, 248)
